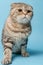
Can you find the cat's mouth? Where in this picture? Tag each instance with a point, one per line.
(23, 19)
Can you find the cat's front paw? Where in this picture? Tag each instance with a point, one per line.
(6, 61)
(26, 54)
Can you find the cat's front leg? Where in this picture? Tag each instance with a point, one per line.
(24, 52)
(7, 54)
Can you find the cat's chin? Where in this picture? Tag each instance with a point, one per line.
(23, 21)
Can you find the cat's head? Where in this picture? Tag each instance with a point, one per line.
(21, 12)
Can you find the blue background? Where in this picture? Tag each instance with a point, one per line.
(35, 43)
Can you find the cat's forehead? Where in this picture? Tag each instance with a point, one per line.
(21, 5)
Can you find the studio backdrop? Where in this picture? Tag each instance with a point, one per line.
(35, 41)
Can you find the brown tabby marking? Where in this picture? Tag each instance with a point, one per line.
(16, 31)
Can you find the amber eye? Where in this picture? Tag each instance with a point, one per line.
(20, 10)
(28, 11)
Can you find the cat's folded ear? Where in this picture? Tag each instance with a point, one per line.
(32, 7)
(13, 5)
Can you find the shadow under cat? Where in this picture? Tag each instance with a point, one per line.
(30, 51)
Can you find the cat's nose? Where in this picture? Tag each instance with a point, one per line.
(25, 13)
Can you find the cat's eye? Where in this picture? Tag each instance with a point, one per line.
(20, 10)
(28, 11)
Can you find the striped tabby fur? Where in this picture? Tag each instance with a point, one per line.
(16, 31)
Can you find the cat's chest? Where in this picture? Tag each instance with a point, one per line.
(19, 38)
(20, 35)
(18, 42)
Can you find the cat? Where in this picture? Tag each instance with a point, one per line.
(16, 30)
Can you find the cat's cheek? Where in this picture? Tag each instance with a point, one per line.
(18, 19)
(28, 17)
